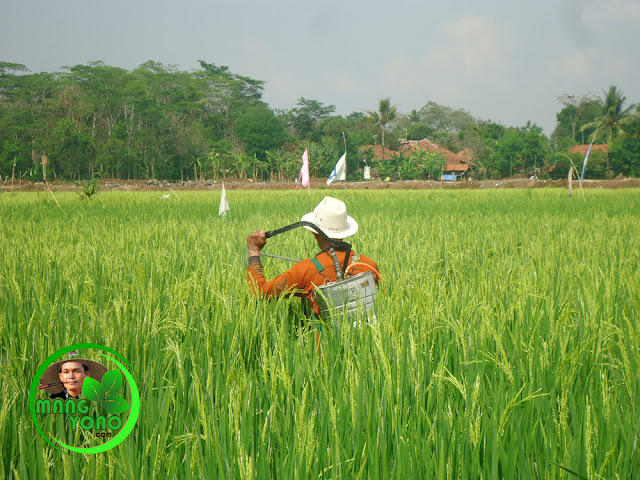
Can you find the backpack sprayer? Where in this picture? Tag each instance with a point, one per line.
(349, 294)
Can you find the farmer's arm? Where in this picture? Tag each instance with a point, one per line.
(281, 284)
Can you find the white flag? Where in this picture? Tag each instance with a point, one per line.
(339, 171)
(584, 164)
(224, 203)
(304, 171)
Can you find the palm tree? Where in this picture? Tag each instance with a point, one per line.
(414, 116)
(614, 117)
(386, 113)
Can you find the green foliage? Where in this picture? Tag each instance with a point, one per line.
(520, 150)
(154, 121)
(613, 118)
(597, 165)
(625, 150)
(323, 158)
(227, 85)
(445, 119)
(576, 112)
(11, 154)
(6, 67)
(160, 122)
(417, 164)
(409, 168)
(307, 117)
(90, 188)
(388, 167)
(418, 132)
(282, 165)
(560, 168)
(385, 115)
(507, 153)
(69, 145)
(433, 164)
(260, 130)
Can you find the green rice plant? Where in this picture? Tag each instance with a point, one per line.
(90, 188)
(507, 343)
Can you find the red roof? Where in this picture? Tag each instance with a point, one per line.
(377, 151)
(453, 159)
(583, 149)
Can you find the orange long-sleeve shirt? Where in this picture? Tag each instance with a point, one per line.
(302, 278)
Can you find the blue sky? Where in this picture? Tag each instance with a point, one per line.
(507, 61)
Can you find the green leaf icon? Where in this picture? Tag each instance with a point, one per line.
(112, 381)
(115, 404)
(92, 389)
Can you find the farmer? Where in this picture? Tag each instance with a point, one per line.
(331, 217)
(67, 377)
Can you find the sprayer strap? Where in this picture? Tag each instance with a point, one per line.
(318, 265)
(346, 260)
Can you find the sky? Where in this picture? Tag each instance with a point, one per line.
(507, 61)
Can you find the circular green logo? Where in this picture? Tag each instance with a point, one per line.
(100, 390)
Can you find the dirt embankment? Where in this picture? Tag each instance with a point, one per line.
(244, 184)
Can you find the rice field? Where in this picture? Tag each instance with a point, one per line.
(507, 346)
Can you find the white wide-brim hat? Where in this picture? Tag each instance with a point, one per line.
(331, 216)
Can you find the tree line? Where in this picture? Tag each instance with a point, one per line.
(159, 122)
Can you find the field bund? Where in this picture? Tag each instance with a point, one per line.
(507, 346)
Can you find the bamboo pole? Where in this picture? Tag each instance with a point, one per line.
(345, 166)
(573, 170)
(44, 177)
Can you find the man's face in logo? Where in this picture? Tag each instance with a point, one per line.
(73, 375)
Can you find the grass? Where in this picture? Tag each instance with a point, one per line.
(508, 343)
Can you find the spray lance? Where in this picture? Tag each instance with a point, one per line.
(332, 242)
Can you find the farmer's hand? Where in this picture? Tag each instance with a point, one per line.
(255, 242)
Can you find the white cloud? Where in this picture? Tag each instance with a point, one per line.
(573, 15)
(343, 83)
(400, 72)
(621, 10)
(470, 59)
(573, 67)
(287, 80)
(473, 45)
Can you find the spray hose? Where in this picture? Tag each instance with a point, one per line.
(362, 264)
